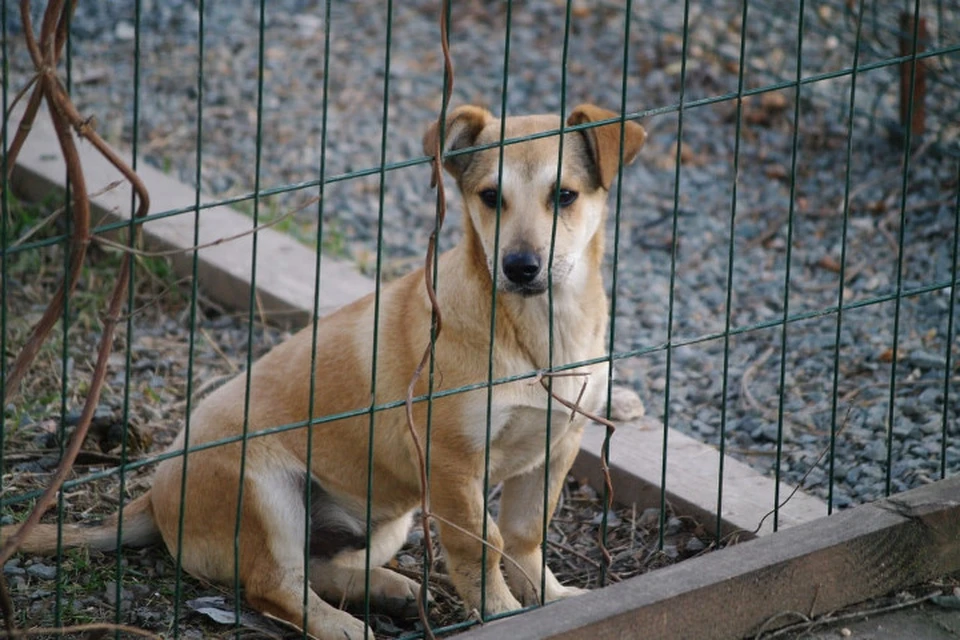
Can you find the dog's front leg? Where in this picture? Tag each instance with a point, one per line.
(521, 524)
(458, 501)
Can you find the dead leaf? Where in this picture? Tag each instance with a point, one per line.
(829, 263)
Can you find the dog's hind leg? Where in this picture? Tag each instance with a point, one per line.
(273, 521)
(343, 577)
(279, 591)
(273, 566)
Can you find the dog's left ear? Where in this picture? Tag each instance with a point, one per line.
(463, 126)
(604, 141)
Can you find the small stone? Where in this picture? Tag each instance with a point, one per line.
(933, 426)
(309, 24)
(875, 451)
(903, 430)
(695, 545)
(415, 536)
(110, 594)
(925, 360)
(42, 571)
(674, 526)
(649, 519)
(13, 568)
(912, 410)
(124, 31)
(613, 520)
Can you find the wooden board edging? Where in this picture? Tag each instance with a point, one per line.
(812, 568)
(692, 479)
(285, 268)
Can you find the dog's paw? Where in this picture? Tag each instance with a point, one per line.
(625, 405)
(501, 603)
(530, 596)
(394, 594)
(355, 630)
(566, 592)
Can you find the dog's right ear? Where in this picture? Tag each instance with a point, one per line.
(464, 124)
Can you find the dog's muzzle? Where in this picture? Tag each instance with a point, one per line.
(523, 272)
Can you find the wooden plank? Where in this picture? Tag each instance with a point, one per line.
(812, 568)
(692, 481)
(285, 268)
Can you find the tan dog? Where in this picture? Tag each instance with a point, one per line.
(273, 516)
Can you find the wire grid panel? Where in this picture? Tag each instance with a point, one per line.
(728, 244)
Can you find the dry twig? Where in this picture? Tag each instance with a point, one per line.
(67, 122)
(430, 263)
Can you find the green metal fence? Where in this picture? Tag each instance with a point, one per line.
(866, 89)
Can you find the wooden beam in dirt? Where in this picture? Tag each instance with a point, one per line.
(692, 480)
(285, 268)
(811, 569)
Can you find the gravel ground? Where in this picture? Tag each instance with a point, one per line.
(920, 423)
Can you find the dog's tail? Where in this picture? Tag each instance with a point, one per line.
(139, 529)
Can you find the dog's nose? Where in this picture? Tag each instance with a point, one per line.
(522, 267)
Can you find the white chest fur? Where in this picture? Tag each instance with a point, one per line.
(516, 418)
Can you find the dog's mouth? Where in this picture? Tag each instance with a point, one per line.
(528, 290)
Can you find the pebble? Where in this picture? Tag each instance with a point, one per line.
(875, 451)
(695, 545)
(926, 360)
(41, 571)
(613, 520)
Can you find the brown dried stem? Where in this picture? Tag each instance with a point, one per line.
(65, 117)
(429, 265)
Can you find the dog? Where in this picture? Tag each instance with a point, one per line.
(534, 213)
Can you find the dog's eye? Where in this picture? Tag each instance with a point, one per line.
(489, 197)
(567, 197)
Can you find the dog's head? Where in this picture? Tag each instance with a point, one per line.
(528, 193)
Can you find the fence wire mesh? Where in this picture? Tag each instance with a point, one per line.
(782, 258)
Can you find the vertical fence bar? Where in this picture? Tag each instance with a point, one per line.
(191, 339)
(495, 277)
(384, 125)
(311, 402)
(905, 178)
(4, 236)
(132, 233)
(674, 246)
(851, 124)
(949, 340)
(611, 344)
(730, 257)
(446, 88)
(252, 301)
(564, 56)
(791, 210)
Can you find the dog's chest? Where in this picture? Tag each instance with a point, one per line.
(516, 420)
